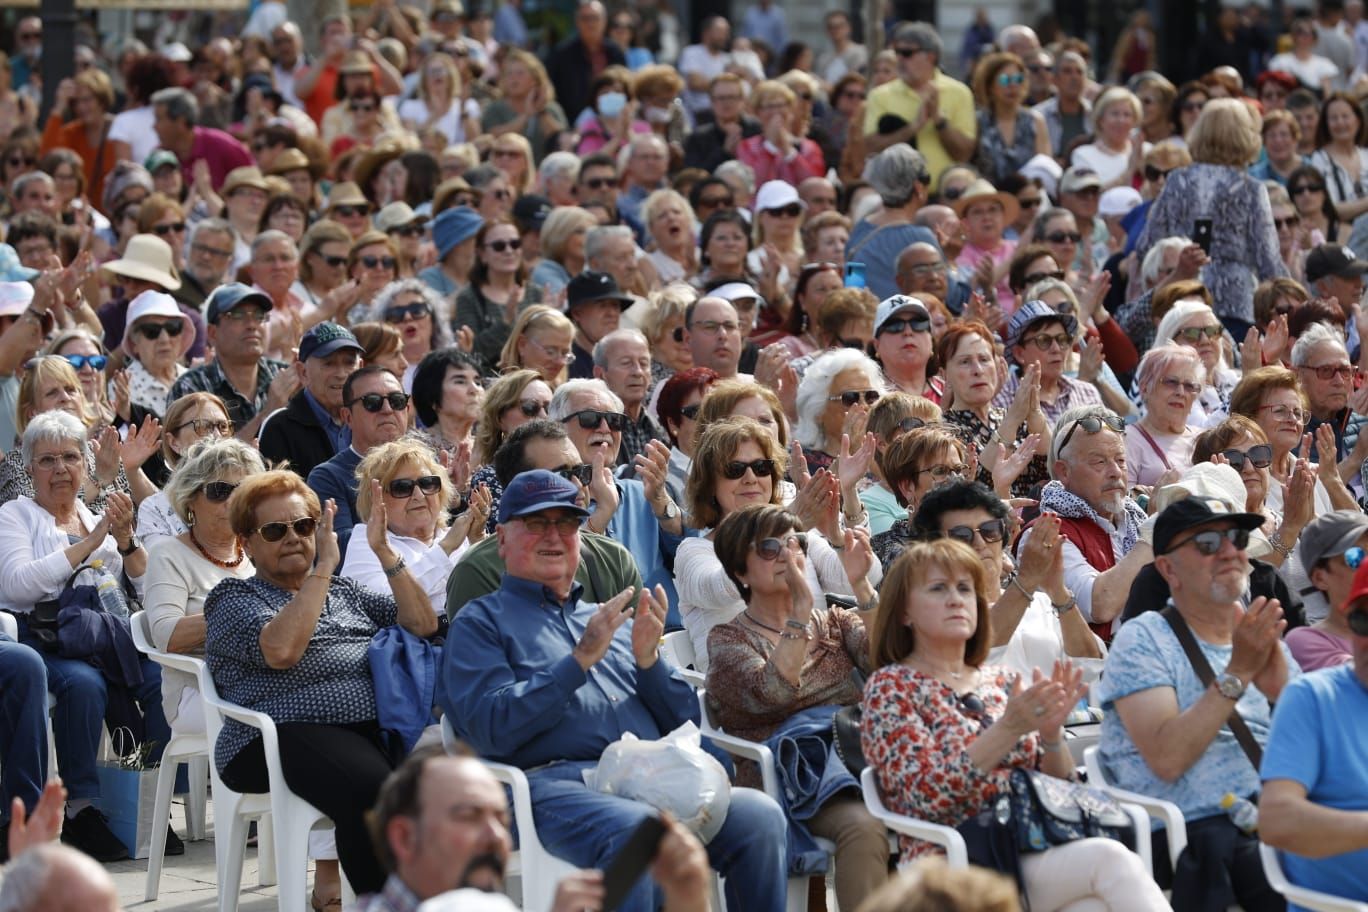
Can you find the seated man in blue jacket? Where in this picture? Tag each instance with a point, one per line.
(537, 678)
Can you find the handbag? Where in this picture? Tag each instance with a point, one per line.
(1049, 811)
(42, 620)
(845, 737)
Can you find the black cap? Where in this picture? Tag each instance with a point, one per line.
(1196, 511)
(226, 297)
(1333, 259)
(594, 286)
(531, 211)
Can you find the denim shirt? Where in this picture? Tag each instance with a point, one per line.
(339, 435)
(516, 694)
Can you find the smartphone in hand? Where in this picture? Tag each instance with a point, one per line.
(855, 275)
(631, 862)
(1201, 234)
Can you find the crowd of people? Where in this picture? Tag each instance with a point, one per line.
(975, 404)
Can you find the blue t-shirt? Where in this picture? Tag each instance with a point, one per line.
(878, 249)
(1317, 740)
(1146, 654)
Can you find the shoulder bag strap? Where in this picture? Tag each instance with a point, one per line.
(1206, 676)
(866, 239)
(1154, 446)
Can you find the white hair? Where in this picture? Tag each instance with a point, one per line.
(559, 409)
(1313, 335)
(209, 460)
(1065, 424)
(1180, 313)
(559, 164)
(54, 427)
(816, 387)
(1154, 260)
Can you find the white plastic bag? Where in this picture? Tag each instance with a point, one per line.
(672, 774)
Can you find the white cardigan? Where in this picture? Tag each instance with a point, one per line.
(430, 565)
(35, 567)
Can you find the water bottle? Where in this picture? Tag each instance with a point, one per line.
(1243, 813)
(112, 599)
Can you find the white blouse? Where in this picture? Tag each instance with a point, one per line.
(35, 567)
(429, 564)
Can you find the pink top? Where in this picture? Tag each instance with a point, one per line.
(593, 137)
(971, 256)
(763, 157)
(220, 150)
(1314, 648)
(1144, 465)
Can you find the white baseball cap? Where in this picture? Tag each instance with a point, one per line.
(15, 298)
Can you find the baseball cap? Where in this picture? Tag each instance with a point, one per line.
(1333, 259)
(161, 158)
(1196, 511)
(537, 490)
(325, 338)
(890, 307)
(1330, 535)
(1118, 201)
(531, 211)
(15, 298)
(735, 291)
(1078, 178)
(777, 194)
(235, 294)
(1033, 312)
(594, 286)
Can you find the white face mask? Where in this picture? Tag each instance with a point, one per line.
(658, 115)
(610, 104)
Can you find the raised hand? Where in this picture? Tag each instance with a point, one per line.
(1277, 336)
(1089, 360)
(852, 467)
(123, 397)
(1298, 502)
(377, 526)
(465, 339)
(283, 386)
(1020, 408)
(579, 891)
(142, 441)
(1029, 706)
(858, 557)
(653, 467)
(1010, 467)
(603, 491)
(326, 553)
(43, 825)
(1039, 552)
(598, 633)
(798, 470)
(1069, 680)
(119, 510)
(648, 626)
(1251, 351)
(1258, 629)
(106, 447)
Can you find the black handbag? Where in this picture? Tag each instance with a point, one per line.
(845, 737)
(43, 619)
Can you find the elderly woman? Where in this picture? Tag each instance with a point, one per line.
(422, 317)
(1113, 153)
(498, 289)
(786, 654)
(738, 463)
(776, 152)
(1281, 136)
(447, 390)
(562, 247)
(156, 337)
(912, 465)
(191, 418)
(291, 642)
(45, 537)
(734, 398)
(1216, 189)
(1042, 338)
(540, 339)
(896, 174)
(816, 281)
(510, 402)
(678, 405)
(417, 494)
(1191, 323)
(670, 221)
(1009, 132)
(383, 347)
(904, 347)
(777, 251)
(1170, 380)
(834, 399)
(845, 320)
(943, 731)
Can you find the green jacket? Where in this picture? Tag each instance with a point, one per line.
(606, 568)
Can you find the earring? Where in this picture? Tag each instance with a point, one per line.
(190, 516)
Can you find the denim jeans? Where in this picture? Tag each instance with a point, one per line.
(588, 829)
(23, 724)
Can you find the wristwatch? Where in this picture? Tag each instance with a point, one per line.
(133, 545)
(671, 510)
(1230, 686)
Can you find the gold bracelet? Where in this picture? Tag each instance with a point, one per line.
(327, 579)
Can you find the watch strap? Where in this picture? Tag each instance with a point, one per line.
(1204, 674)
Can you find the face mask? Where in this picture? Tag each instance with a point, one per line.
(658, 115)
(610, 104)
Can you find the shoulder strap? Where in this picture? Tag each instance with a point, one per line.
(1154, 446)
(1206, 676)
(865, 240)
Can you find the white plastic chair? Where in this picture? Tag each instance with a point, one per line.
(677, 648)
(1166, 812)
(1302, 896)
(190, 749)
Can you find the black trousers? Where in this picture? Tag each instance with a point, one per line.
(336, 768)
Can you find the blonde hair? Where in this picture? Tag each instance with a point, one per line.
(445, 61)
(45, 370)
(658, 200)
(502, 395)
(384, 462)
(535, 67)
(560, 226)
(1226, 133)
(724, 396)
(523, 148)
(666, 304)
(1112, 96)
(545, 318)
(175, 417)
(771, 91)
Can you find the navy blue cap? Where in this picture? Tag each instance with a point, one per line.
(325, 338)
(537, 490)
(226, 297)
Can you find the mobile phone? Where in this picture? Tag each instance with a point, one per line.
(631, 862)
(855, 275)
(1201, 234)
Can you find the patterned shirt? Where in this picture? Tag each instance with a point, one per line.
(637, 434)
(148, 391)
(209, 378)
(888, 545)
(1072, 393)
(979, 434)
(485, 475)
(394, 896)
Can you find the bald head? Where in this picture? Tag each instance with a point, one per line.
(819, 194)
(54, 878)
(921, 269)
(1018, 39)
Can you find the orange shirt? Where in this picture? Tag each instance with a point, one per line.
(57, 135)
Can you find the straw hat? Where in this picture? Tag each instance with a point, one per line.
(247, 176)
(147, 257)
(979, 191)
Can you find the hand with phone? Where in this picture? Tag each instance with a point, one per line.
(677, 861)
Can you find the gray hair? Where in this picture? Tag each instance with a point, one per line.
(51, 427)
(438, 304)
(1182, 310)
(215, 225)
(272, 236)
(560, 164)
(667, 303)
(816, 387)
(180, 104)
(895, 172)
(597, 240)
(1066, 423)
(559, 409)
(1154, 259)
(30, 177)
(26, 877)
(738, 169)
(1316, 334)
(1071, 57)
(923, 36)
(208, 460)
(1037, 291)
(618, 335)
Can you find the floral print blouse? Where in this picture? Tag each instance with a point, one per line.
(978, 434)
(916, 733)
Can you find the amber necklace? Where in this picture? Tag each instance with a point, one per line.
(227, 565)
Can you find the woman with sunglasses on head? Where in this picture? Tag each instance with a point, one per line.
(1009, 132)
(1159, 445)
(786, 655)
(190, 419)
(737, 463)
(663, 326)
(498, 289)
(421, 316)
(291, 642)
(1190, 322)
(1306, 186)
(510, 402)
(447, 392)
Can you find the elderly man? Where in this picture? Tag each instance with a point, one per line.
(921, 268)
(557, 176)
(1067, 112)
(310, 430)
(713, 332)
(714, 143)
(1103, 550)
(622, 360)
(575, 62)
(1039, 76)
(594, 303)
(212, 242)
(177, 113)
(612, 249)
(551, 707)
(274, 269)
(818, 194)
(1165, 730)
(1335, 271)
(926, 106)
(33, 235)
(648, 162)
(1327, 377)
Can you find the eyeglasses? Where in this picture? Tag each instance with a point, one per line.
(1261, 455)
(351, 211)
(1064, 237)
(1010, 79)
(792, 210)
(1173, 385)
(238, 314)
(1292, 221)
(219, 491)
(217, 253)
(600, 183)
(850, 397)
(559, 354)
(153, 331)
(410, 231)
(374, 402)
(902, 325)
(922, 269)
(1029, 202)
(50, 461)
(501, 245)
(583, 473)
(1155, 174)
(1210, 541)
(736, 469)
(1042, 276)
(773, 548)
(414, 311)
(691, 411)
(363, 108)
(203, 426)
(332, 262)
(80, 362)
(1284, 413)
(174, 228)
(1091, 424)
(371, 262)
(1194, 334)
(565, 526)
(531, 408)
(991, 531)
(713, 327)
(1329, 371)
(1047, 341)
(589, 419)
(857, 344)
(1306, 188)
(402, 488)
(21, 161)
(274, 531)
(942, 471)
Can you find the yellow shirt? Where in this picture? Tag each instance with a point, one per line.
(900, 99)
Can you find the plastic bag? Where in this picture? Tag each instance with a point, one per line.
(671, 774)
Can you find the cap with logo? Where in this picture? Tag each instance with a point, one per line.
(323, 339)
(594, 286)
(890, 307)
(531, 211)
(537, 490)
(1333, 260)
(1078, 178)
(1196, 510)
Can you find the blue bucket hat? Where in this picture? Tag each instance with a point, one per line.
(457, 224)
(1033, 312)
(537, 490)
(11, 270)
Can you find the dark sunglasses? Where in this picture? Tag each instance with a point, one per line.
(907, 52)
(1153, 174)
(1064, 237)
(1306, 188)
(902, 325)
(1210, 541)
(500, 246)
(691, 411)
(600, 183)
(583, 473)
(1042, 276)
(1029, 202)
(164, 230)
(219, 491)
(773, 548)
(363, 108)
(371, 262)
(333, 262)
(1261, 455)
(409, 231)
(714, 202)
(374, 402)
(792, 210)
(532, 409)
(417, 310)
(850, 397)
(736, 469)
(1091, 424)
(403, 487)
(22, 160)
(351, 211)
(589, 419)
(911, 423)
(79, 362)
(152, 331)
(991, 531)
(275, 531)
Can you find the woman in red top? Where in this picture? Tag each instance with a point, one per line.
(80, 122)
(776, 153)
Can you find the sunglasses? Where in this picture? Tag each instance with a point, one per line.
(203, 426)
(600, 183)
(736, 469)
(409, 231)
(333, 262)
(1153, 174)
(402, 488)
(1010, 79)
(500, 246)
(274, 531)
(219, 491)
(1029, 202)
(1194, 334)
(691, 411)
(362, 108)
(792, 210)
(416, 311)
(589, 419)
(371, 262)
(1329, 371)
(902, 325)
(539, 525)
(79, 362)
(773, 548)
(583, 473)
(1210, 541)
(351, 211)
(1292, 221)
(850, 397)
(152, 331)
(532, 409)
(1306, 188)
(22, 160)
(1091, 424)
(942, 471)
(714, 202)
(1261, 455)
(164, 230)
(374, 402)
(907, 52)
(911, 423)
(1064, 237)
(1046, 341)
(991, 531)
(1042, 276)
(1192, 107)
